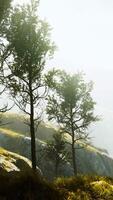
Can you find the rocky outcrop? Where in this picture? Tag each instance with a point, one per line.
(13, 162)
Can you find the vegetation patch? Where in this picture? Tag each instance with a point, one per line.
(30, 185)
(27, 185)
(104, 189)
(86, 188)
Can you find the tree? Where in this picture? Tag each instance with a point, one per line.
(70, 104)
(4, 11)
(4, 6)
(55, 150)
(27, 48)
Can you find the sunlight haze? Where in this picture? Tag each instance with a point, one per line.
(83, 32)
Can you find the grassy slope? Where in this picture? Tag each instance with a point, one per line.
(89, 160)
(28, 185)
(13, 134)
(10, 133)
(15, 122)
(21, 185)
(86, 188)
(14, 125)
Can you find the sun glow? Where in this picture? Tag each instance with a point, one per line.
(21, 1)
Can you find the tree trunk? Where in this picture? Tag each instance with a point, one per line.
(74, 156)
(73, 144)
(56, 167)
(32, 132)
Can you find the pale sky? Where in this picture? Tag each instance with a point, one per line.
(83, 32)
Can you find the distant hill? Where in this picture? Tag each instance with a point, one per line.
(17, 123)
(14, 137)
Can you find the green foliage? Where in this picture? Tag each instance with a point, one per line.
(27, 48)
(103, 188)
(86, 188)
(70, 104)
(25, 52)
(4, 5)
(71, 98)
(29, 45)
(55, 151)
(4, 12)
(72, 183)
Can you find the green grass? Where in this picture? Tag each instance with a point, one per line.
(86, 188)
(30, 186)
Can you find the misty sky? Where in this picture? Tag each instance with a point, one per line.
(83, 32)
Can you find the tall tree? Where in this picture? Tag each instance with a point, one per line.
(27, 48)
(71, 105)
(4, 12)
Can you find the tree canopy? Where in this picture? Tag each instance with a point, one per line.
(70, 104)
(27, 46)
(4, 5)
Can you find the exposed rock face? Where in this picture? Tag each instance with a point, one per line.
(89, 161)
(13, 162)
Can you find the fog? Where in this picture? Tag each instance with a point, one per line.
(83, 32)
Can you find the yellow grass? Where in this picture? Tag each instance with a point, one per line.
(10, 133)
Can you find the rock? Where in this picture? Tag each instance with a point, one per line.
(10, 162)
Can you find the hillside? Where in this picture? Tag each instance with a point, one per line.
(29, 186)
(86, 188)
(18, 182)
(89, 160)
(17, 123)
